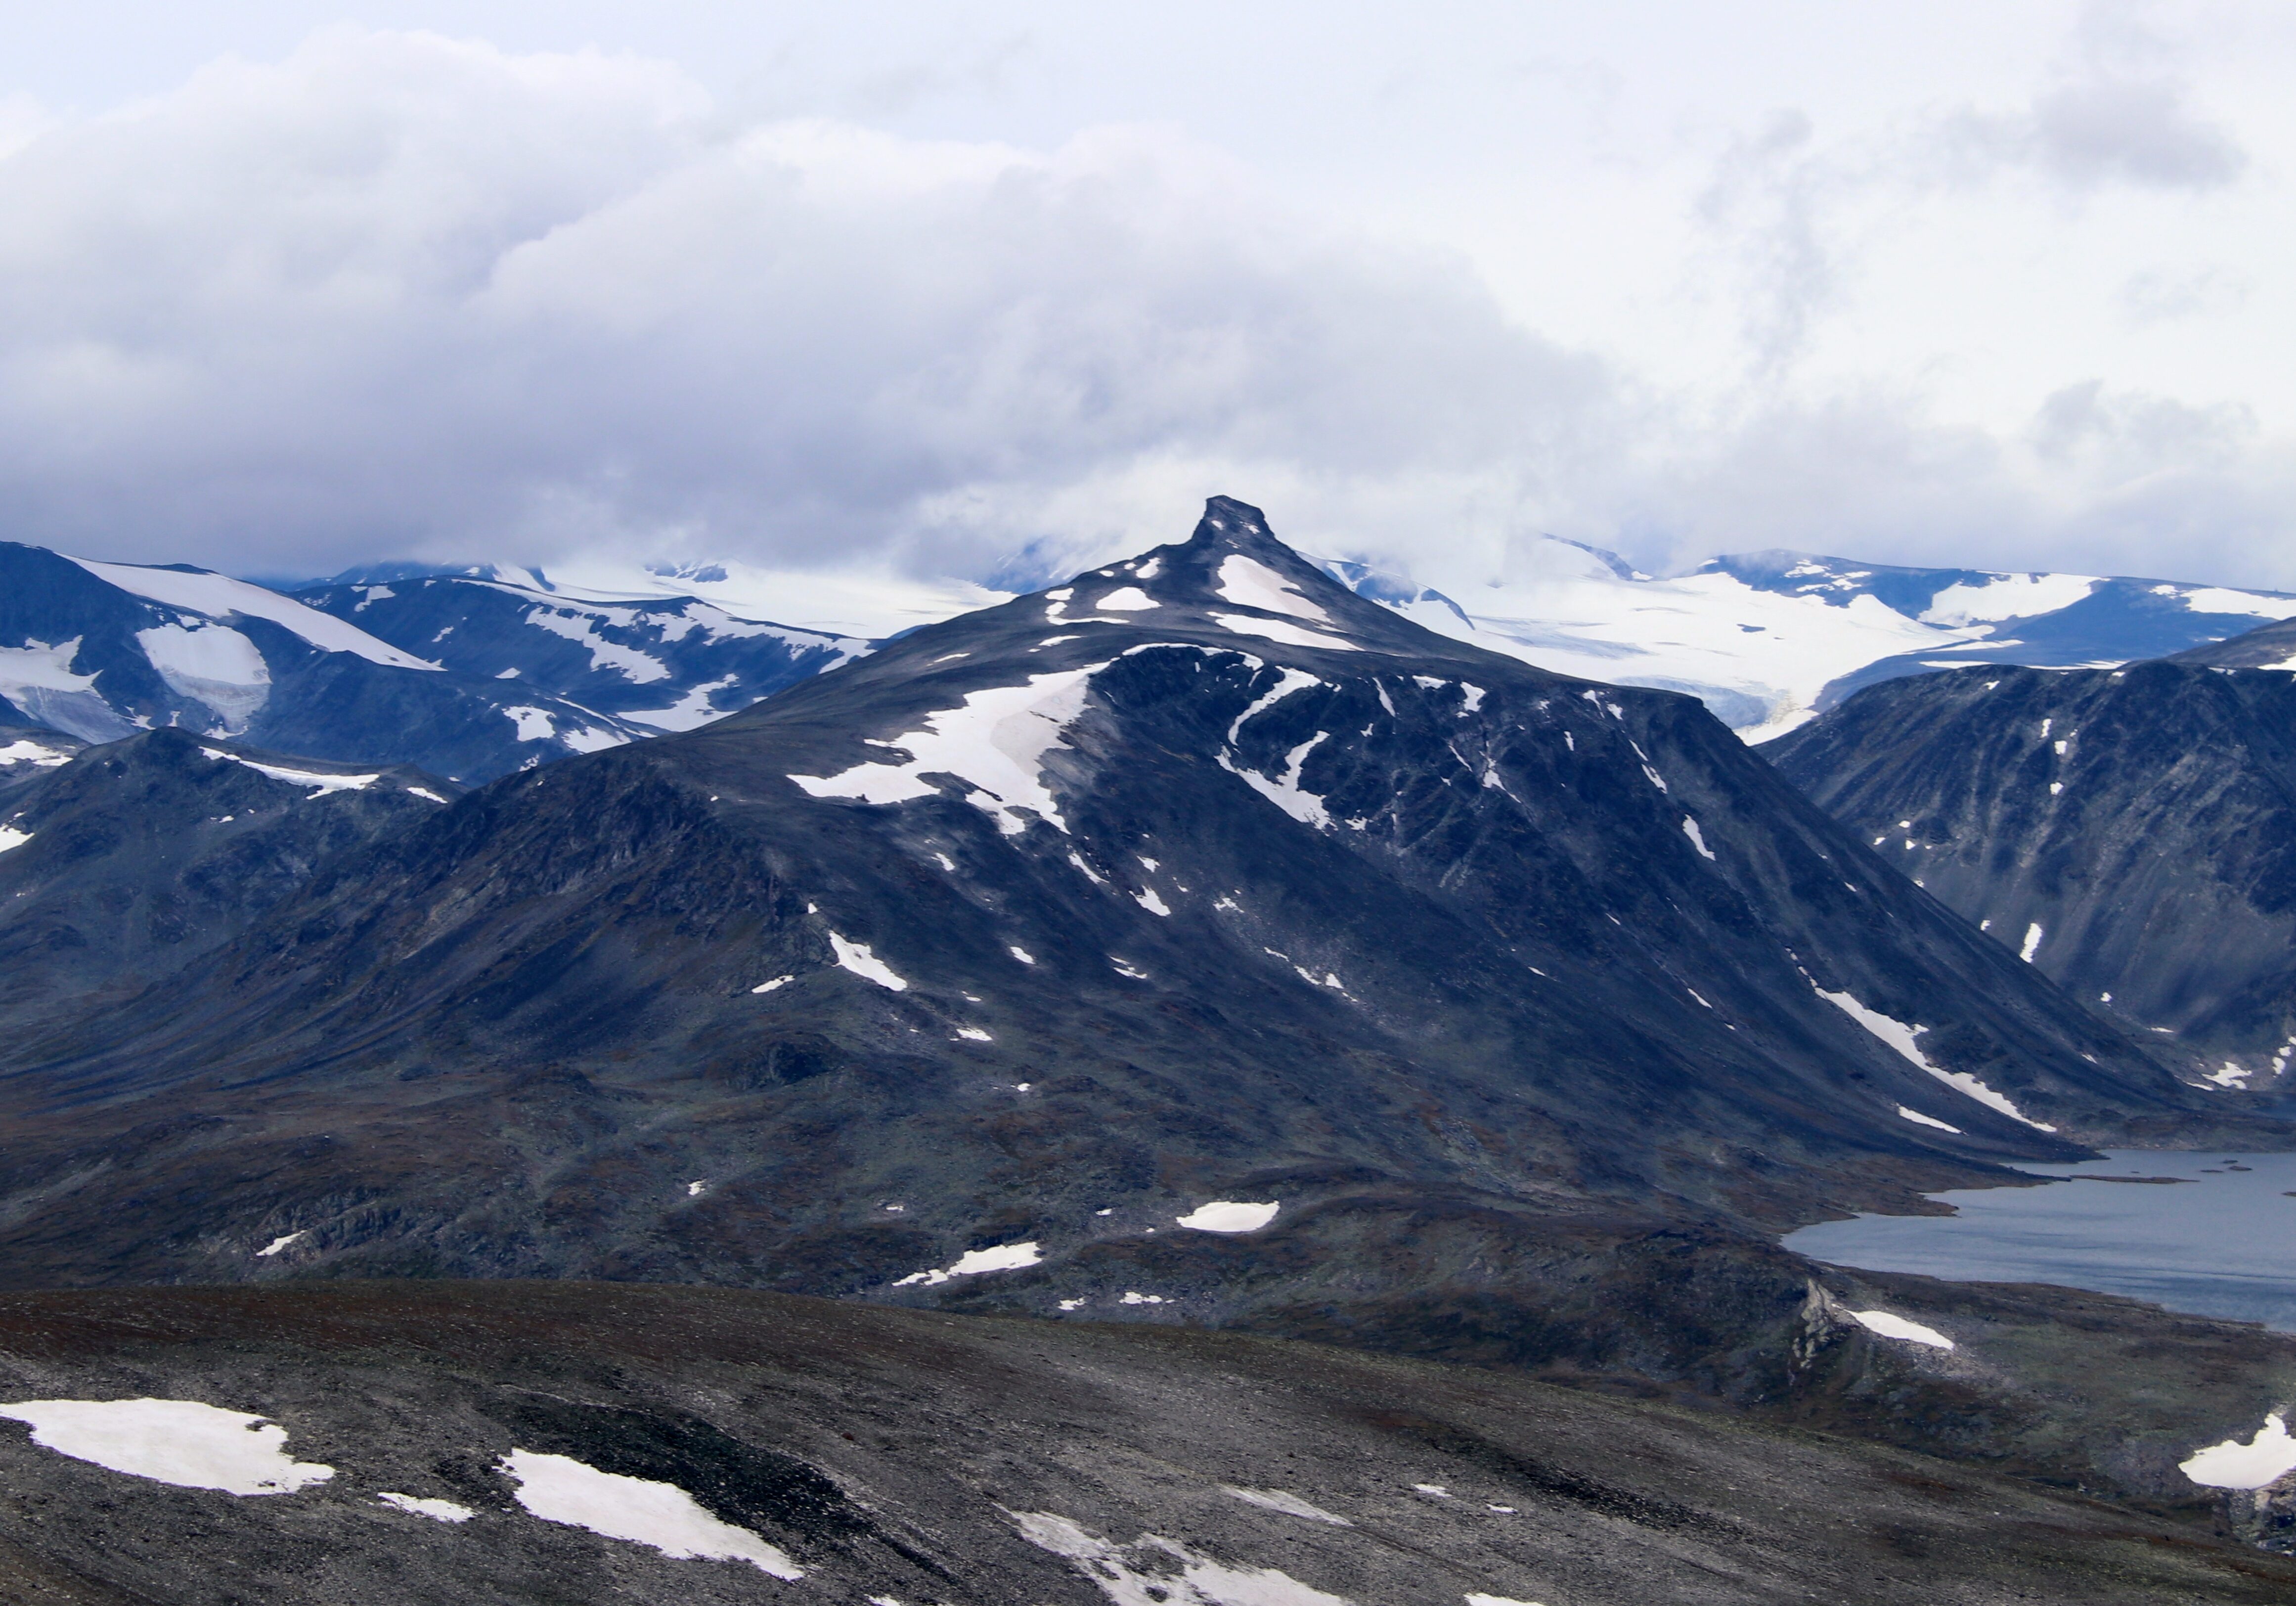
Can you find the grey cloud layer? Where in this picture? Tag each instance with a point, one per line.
(400, 295)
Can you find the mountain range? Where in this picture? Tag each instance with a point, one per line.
(1200, 942)
(473, 673)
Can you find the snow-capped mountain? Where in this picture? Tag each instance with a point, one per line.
(1198, 882)
(99, 651)
(662, 663)
(1769, 639)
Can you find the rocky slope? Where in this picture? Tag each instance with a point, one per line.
(2130, 832)
(121, 864)
(798, 1450)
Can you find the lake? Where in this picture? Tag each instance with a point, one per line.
(2219, 1241)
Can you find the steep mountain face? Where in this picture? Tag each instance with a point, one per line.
(662, 663)
(120, 865)
(101, 651)
(1769, 639)
(2130, 832)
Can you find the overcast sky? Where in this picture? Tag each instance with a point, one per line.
(284, 288)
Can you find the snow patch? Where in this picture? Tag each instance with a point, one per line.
(1001, 1258)
(1897, 1327)
(662, 1516)
(994, 742)
(2032, 939)
(1151, 901)
(438, 1510)
(856, 957)
(1128, 599)
(1276, 630)
(1124, 1574)
(1917, 1116)
(1228, 1215)
(973, 1034)
(177, 1441)
(2235, 1465)
(1289, 1504)
(319, 784)
(1249, 582)
(1131, 1298)
(776, 983)
(1900, 1036)
(2232, 1074)
(278, 1245)
(2006, 596)
(212, 664)
(1282, 788)
(1021, 954)
(1697, 836)
(9, 837)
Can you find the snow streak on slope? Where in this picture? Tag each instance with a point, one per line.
(216, 596)
(1901, 1037)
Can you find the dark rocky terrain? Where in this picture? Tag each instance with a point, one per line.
(659, 663)
(896, 1455)
(101, 651)
(2134, 830)
(135, 857)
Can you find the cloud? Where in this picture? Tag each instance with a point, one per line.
(2138, 132)
(400, 295)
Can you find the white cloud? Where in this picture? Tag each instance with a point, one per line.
(394, 294)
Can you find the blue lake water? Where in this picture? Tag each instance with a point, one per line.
(2219, 1241)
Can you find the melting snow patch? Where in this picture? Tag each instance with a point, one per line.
(973, 1034)
(1003, 1257)
(1289, 1504)
(1901, 1037)
(558, 1488)
(2032, 943)
(279, 1243)
(1074, 1304)
(1227, 1216)
(1498, 1599)
(1897, 1327)
(1249, 582)
(533, 724)
(1086, 870)
(1697, 836)
(695, 1190)
(9, 837)
(996, 742)
(423, 792)
(1927, 1120)
(319, 784)
(1129, 599)
(438, 1510)
(1151, 901)
(856, 957)
(1142, 1573)
(1124, 968)
(1132, 1298)
(1434, 1490)
(177, 1441)
(2232, 1074)
(2235, 1465)
(1020, 953)
(1277, 630)
(778, 981)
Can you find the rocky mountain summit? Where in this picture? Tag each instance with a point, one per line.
(2131, 833)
